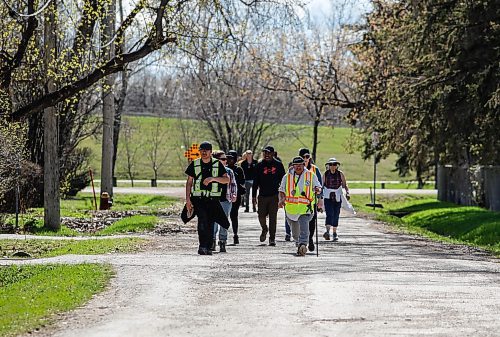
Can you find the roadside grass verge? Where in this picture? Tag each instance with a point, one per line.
(437, 220)
(30, 295)
(48, 248)
(133, 224)
(81, 207)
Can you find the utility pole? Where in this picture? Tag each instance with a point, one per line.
(108, 103)
(51, 206)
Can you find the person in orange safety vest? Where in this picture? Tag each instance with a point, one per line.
(297, 194)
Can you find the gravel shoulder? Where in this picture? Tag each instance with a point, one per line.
(371, 283)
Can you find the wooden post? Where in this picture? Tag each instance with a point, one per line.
(51, 206)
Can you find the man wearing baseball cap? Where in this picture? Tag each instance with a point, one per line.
(297, 194)
(268, 174)
(206, 176)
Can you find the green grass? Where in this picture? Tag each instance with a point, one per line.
(31, 295)
(82, 204)
(133, 224)
(48, 248)
(437, 220)
(342, 143)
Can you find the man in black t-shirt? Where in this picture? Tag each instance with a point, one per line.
(203, 191)
(268, 174)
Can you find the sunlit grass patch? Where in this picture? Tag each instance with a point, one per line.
(133, 224)
(30, 295)
(48, 248)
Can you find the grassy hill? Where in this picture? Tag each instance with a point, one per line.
(342, 143)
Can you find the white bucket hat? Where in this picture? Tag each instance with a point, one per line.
(332, 161)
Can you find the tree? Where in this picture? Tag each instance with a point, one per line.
(426, 70)
(108, 100)
(314, 64)
(155, 147)
(80, 65)
(51, 207)
(239, 113)
(130, 151)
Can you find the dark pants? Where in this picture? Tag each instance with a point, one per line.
(234, 214)
(268, 206)
(332, 209)
(288, 230)
(312, 224)
(208, 211)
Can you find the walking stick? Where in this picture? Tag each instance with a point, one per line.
(316, 223)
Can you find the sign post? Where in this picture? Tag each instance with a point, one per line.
(375, 142)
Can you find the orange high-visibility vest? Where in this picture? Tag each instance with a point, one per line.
(299, 202)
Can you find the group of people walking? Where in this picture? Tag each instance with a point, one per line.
(217, 185)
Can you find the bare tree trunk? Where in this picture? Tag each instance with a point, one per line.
(108, 107)
(318, 108)
(121, 99)
(51, 204)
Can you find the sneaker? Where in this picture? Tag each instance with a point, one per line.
(335, 237)
(263, 235)
(311, 245)
(214, 244)
(272, 243)
(209, 252)
(222, 246)
(254, 210)
(302, 250)
(202, 251)
(246, 210)
(236, 240)
(326, 236)
(288, 237)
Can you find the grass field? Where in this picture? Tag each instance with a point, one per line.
(438, 220)
(342, 143)
(31, 295)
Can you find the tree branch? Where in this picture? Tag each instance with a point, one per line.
(112, 66)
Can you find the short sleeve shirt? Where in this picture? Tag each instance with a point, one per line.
(206, 172)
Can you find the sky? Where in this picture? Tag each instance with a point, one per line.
(321, 8)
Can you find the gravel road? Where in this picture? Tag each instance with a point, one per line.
(371, 283)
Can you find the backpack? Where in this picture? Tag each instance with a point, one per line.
(232, 187)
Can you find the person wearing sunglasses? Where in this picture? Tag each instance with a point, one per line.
(229, 194)
(334, 183)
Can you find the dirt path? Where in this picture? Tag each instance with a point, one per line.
(370, 283)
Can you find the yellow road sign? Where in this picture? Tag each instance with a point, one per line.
(193, 152)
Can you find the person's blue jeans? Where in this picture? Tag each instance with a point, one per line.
(332, 209)
(288, 230)
(300, 228)
(226, 206)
